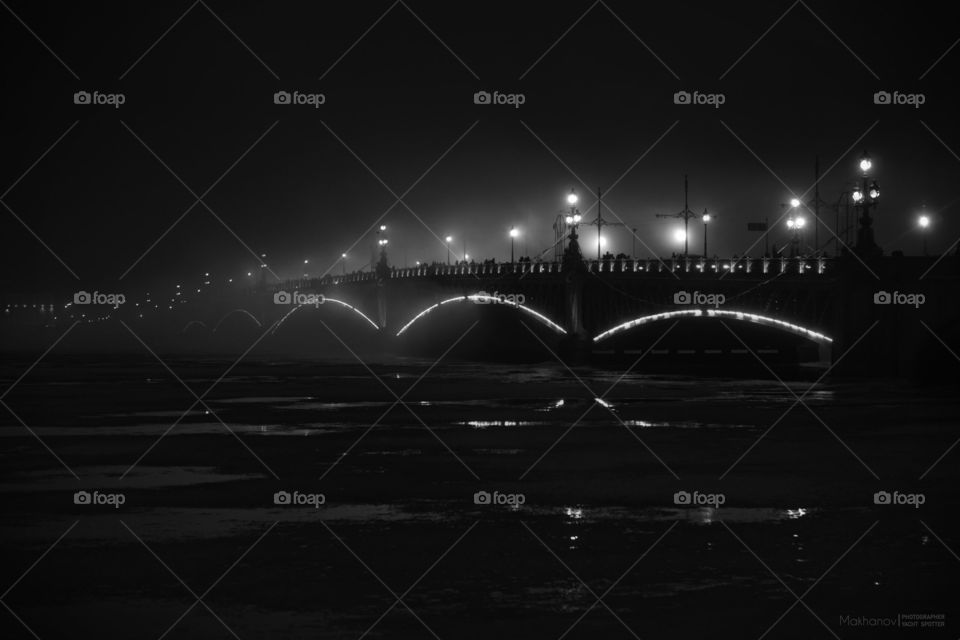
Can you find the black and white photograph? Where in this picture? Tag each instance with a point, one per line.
(473, 320)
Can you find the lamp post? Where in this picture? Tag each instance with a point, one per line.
(866, 196)
(573, 218)
(513, 236)
(380, 241)
(706, 218)
(343, 262)
(924, 223)
(796, 224)
(448, 240)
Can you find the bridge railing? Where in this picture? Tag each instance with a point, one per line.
(766, 266)
(697, 266)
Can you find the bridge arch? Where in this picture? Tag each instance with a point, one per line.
(743, 316)
(278, 323)
(240, 311)
(192, 323)
(484, 298)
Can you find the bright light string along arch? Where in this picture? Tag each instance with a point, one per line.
(478, 297)
(770, 322)
(325, 301)
(717, 313)
(636, 322)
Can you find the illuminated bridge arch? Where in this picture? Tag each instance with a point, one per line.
(278, 323)
(483, 298)
(187, 326)
(240, 311)
(754, 318)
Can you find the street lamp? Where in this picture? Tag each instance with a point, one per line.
(924, 223)
(448, 239)
(572, 198)
(343, 263)
(866, 196)
(513, 235)
(706, 218)
(795, 224)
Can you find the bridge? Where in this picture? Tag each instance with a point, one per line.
(898, 308)
(898, 311)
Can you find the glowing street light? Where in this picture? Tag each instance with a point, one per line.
(795, 202)
(572, 198)
(343, 263)
(679, 235)
(795, 223)
(513, 236)
(706, 217)
(865, 197)
(448, 239)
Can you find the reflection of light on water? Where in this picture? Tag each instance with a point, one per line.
(705, 515)
(795, 514)
(557, 404)
(483, 424)
(644, 423)
(575, 513)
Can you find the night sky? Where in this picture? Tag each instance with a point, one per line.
(399, 109)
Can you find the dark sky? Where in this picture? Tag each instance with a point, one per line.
(398, 100)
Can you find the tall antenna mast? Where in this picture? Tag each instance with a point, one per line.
(685, 215)
(600, 223)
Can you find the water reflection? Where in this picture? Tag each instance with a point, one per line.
(574, 513)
